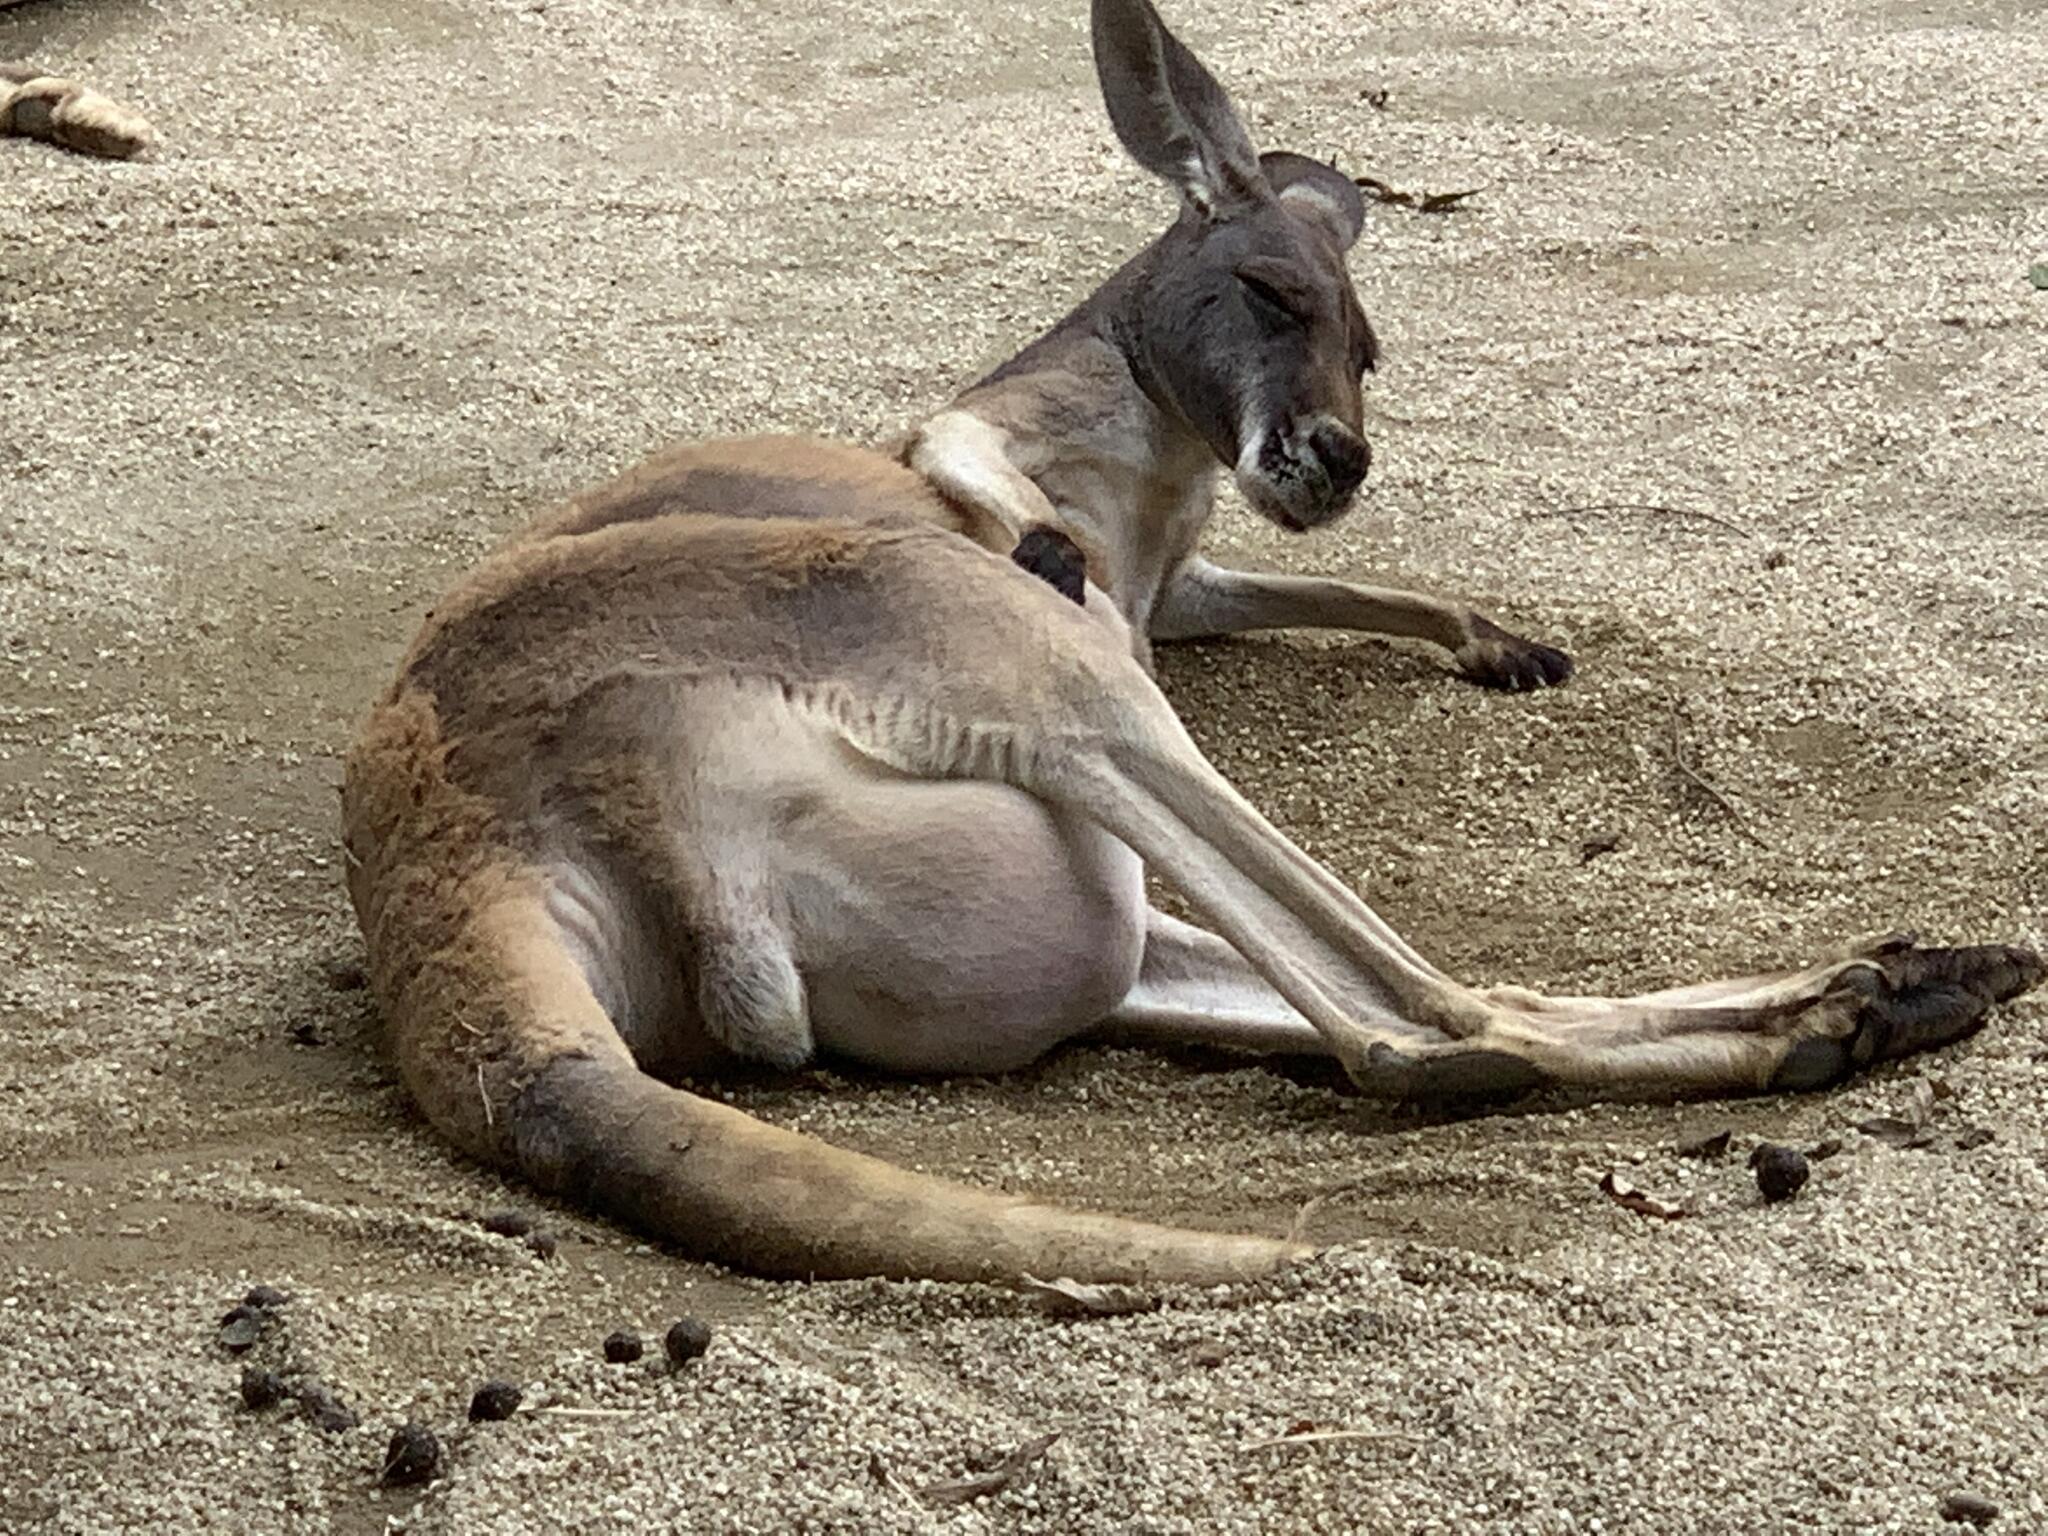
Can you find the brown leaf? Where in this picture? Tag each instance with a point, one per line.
(1624, 1194)
(965, 1490)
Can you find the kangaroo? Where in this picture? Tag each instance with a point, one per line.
(780, 748)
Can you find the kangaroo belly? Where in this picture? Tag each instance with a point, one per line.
(957, 927)
(803, 898)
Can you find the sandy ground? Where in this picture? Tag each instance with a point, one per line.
(406, 270)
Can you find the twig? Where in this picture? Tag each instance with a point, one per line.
(1694, 777)
(1321, 1436)
(1719, 520)
(881, 1472)
(748, 1347)
(490, 1118)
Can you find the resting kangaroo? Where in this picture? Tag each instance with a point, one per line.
(771, 750)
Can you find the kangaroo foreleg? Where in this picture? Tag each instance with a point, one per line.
(1204, 599)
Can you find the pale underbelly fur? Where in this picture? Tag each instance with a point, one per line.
(833, 906)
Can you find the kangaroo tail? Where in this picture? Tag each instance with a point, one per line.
(511, 1055)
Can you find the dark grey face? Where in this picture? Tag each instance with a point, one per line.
(1254, 335)
(1245, 322)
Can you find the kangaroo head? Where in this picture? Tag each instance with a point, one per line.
(1242, 321)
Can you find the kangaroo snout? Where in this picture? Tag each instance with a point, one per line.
(1344, 456)
(1305, 476)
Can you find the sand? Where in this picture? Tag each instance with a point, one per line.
(405, 271)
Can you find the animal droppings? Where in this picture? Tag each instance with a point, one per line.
(1781, 1172)
(494, 1401)
(324, 1407)
(686, 1339)
(412, 1458)
(623, 1348)
(242, 1327)
(262, 1388)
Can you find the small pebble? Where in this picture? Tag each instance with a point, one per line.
(1781, 1172)
(508, 1223)
(412, 1458)
(263, 1389)
(1968, 1509)
(265, 1298)
(494, 1400)
(623, 1348)
(541, 1244)
(1209, 1354)
(686, 1339)
(320, 1403)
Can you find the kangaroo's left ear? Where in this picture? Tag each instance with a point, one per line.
(1317, 191)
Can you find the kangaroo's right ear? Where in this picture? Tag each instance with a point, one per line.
(1170, 112)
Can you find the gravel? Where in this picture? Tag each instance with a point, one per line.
(1751, 279)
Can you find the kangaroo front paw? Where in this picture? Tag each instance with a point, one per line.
(1496, 658)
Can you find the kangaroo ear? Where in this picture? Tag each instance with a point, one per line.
(1317, 191)
(1169, 112)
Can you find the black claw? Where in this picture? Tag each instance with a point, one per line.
(1910, 1000)
(1925, 998)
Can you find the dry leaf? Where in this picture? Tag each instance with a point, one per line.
(965, 1490)
(1073, 1298)
(1626, 1195)
(1422, 202)
(1713, 1144)
(1894, 1132)
(1444, 202)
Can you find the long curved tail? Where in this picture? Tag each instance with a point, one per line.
(511, 1055)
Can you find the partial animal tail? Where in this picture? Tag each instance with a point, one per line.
(511, 1055)
(40, 105)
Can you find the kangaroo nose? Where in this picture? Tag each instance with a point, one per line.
(1343, 454)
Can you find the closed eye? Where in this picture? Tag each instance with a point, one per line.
(1266, 297)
